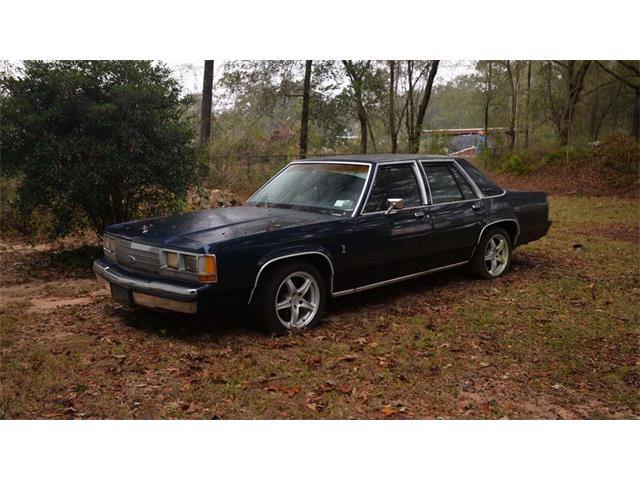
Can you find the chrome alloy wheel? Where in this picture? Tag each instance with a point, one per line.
(297, 300)
(496, 254)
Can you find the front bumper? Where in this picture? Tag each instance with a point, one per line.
(133, 289)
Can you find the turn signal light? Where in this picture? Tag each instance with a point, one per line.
(210, 270)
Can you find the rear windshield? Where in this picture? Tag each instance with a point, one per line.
(486, 186)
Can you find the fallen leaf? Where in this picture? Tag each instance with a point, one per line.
(348, 358)
(346, 389)
(315, 406)
(388, 410)
(484, 364)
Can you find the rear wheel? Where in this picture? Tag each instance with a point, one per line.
(290, 297)
(492, 257)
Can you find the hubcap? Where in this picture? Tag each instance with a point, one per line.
(496, 255)
(297, 300)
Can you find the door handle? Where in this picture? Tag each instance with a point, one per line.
(476, 206)
(421, 215)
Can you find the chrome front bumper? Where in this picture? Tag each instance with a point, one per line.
(135, 289)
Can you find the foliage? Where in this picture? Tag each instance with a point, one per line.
(516, 165)
(96, 141)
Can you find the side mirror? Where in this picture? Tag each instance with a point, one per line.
(394, 204)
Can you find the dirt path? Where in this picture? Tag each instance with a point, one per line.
(42, 295)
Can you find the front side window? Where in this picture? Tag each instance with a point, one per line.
(444, 186)
(394, 181)
(323, 187)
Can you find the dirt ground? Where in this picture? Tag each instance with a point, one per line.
(558, 337)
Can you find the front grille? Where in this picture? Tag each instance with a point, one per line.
(137, 257)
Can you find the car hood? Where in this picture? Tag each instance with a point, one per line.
(194, 230)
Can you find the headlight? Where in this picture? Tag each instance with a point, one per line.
(172, 259)
(190, 263)
(204, 267)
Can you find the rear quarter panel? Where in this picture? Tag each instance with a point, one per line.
(532, 211)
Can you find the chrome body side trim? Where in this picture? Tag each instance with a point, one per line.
(269, 262)
(397, 279)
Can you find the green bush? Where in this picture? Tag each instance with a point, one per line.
(516, 165)
(95, 142)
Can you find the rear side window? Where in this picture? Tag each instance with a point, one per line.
(394, 181)
(486, 186)
(444, 185)
(465, 188)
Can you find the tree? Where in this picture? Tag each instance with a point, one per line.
(304, 117)
(572, 74)
(528, 117)
(513, 68)
(486, 69)
(207, 93)
(103, 140)
(392, 114)
(415, 119)
(630, 76)
(357, 72)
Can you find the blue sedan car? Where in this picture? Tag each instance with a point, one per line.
(320, 228)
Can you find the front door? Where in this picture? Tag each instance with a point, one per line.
(390, 245)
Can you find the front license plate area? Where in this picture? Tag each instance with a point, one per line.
(121, 295)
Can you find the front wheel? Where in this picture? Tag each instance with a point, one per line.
(290, 297)
(492, 257)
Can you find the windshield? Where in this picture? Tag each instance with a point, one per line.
(334, 188)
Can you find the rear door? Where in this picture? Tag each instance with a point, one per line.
(456, 211)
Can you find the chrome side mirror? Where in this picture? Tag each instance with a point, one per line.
(394, 204)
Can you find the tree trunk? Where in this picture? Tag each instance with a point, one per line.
(373, 139)
(304, 119)
(528, 118)
(205, 110)
(392, 113)
(416, 126)
(487, 104)
(362, 118)
(356, 74)
(636, 116)
(513, 70)
(575, 85)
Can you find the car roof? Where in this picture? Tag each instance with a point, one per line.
(378, 158)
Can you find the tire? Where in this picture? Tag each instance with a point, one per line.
(496, 266)
(286, 282)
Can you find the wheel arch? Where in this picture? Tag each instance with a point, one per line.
(511, 226)
(319, 259)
